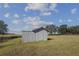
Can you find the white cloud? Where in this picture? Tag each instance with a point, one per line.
(69, 20)
(36, 22)
(56, 10)
(16, 21)
(46, 13)
(53, 6)
(73, 11)
(40, 6)
(24, 15)
(6, 5)
(16, 15)
(15, 30)
(60, 20)
(44, 8)
(6, 15)
(36, 6)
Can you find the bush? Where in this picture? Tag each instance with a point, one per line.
(49, 39)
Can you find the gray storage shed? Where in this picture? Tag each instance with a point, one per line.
(34, 35)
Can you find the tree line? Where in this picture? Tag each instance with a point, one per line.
(52, 29)
(62, 29)
(3, 27)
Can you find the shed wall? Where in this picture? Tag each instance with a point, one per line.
(42, 35)
(31, 36)
(28, 36)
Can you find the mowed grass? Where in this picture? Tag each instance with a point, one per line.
(60, 45)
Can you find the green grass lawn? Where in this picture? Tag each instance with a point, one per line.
(59, 45)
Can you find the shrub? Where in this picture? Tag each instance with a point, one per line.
(49, 39)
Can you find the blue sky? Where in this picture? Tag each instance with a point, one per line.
(23, 16)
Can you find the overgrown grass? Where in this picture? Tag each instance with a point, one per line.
(59, 45)
(10, 43)
(8, 35)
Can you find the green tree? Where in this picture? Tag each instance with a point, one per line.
(3, 27)
(63, 29)
(74, 29)
(51, 28)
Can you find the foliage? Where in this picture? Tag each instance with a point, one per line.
(3, 27)
(51, 28)
(63, 29)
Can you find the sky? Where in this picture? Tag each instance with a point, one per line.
(27, 16)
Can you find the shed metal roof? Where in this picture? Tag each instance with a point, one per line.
(38, 29)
